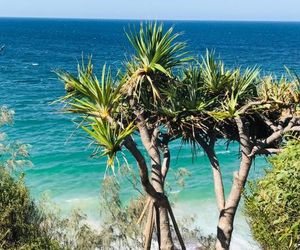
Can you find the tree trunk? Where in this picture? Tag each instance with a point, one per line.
(217, 177)
(148, 232)
(224, 230)
(150, 144)
(226, 219)
(209, 149)
(155, 191)
(164, 223)
(166, 237)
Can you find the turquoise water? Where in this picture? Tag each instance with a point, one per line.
(60, 153)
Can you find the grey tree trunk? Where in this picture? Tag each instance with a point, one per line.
(150, 144)
(164, 222)
(165, 232)
(226, 219)
(224, 231)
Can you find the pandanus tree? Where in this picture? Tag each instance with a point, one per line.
(260, 123)
(205, 103)
(212, 103)
(117, 111)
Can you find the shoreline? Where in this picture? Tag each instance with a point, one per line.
(204, 220)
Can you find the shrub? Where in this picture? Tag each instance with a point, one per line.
(273, 202)
(19, 217)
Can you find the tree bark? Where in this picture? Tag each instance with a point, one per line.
(225, 228)
(226, 218)
(150, 144)
(209, 149)
(227, 215)
(155, 191)
(166, 242)
(149, 227)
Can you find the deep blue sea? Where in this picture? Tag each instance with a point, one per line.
(60, 153)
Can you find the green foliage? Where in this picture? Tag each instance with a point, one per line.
(89, 97)
(284, 92)
(98, 102)
(109, 137)
(19, 217)
(156, 49)
(157, 53)
(72, 232)
(216, 77)
(119, 228)
(206, 96)
(229, 88)
(273, 202)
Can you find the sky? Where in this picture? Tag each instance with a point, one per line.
(248, 10)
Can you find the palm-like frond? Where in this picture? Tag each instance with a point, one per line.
(186, 94)
(89, 96)
(282, 92)
(227, 109)
(156, 54)
(109, 137)
(241, 88)
(295, 84)
(244, 84)
(216, 77)
(156, 50)
(99, 101)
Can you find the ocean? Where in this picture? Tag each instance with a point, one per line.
(60, 153)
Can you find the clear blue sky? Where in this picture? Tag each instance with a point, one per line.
(266, 10)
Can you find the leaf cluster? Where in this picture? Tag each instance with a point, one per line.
(272, 203)
(185, 98)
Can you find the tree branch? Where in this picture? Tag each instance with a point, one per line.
(240, 177)
(217, 174)
(166, 161)
(268, 151)
(143, 170)
(275, 136)
(268, 122)
(249, 105)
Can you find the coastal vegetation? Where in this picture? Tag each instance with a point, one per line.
(30, 224)
(161, 95)
(113, 110)
(19, 216)
(272, 203)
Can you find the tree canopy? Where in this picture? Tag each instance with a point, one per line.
(163, 94)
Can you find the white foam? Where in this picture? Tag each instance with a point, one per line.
(79, 200)
(207, 218)
(205, 213)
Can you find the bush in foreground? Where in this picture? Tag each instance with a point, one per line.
(273, 202)
(19, 217)
(25, 224)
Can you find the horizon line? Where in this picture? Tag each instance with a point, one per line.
(150, 19)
